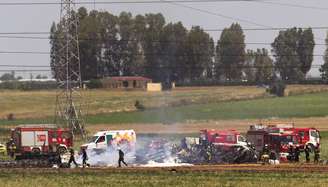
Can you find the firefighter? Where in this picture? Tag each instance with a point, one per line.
(291, 153)
(265, 153)
(121, 158)
(184, 143)
(266, 150)
(316, 155)
(84, 158)
(208, 154)
(307, 151)
(297, 154)
(11, 146)
(72, 158)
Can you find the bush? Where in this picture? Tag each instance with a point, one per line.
(30, 85)
(94, 83)
(139, 106)
(277, 88)
(10, 117)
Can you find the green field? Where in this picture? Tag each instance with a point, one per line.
(311, 105)
(41, 104)
(12, 178)
(299, 106)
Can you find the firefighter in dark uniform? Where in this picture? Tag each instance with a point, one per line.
(291, 153)
(307, 151)
(297, 154)
(72, 158)
(316, 155)
(121, 158)
(11, 146)
(84, 158)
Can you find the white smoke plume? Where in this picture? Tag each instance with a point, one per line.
(109, 157)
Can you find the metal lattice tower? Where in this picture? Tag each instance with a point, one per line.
(69, 101)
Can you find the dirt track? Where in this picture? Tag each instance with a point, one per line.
(304, 168)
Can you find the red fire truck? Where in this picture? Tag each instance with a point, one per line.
(40, 140)
(222, 137)
(304, 136)
(260, 136)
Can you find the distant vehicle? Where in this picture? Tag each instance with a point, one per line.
(31, 140)
(115, 138)
(277, 138)
(304, 136)
(222, 137)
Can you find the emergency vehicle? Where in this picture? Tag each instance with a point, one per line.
(222, 137)
(40, 139)
(114, 138)
(278, 141)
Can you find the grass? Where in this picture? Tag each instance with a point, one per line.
(301, 106)
(40, 104)
(161, 178)
(298, 106)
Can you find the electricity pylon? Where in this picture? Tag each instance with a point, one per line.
(69, 101)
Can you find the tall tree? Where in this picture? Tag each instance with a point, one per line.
(263, 66)
(152, 47)
(293, 51)
(249, 69)
(324, 68)
(200, 53)
(231, 52)
(89, 44)
(173, 42)
(8, 76)
(305, 49)
(54, 50)
(127, 44)
(139, 29)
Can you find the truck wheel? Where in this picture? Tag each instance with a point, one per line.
(36, 151)
(312, 148)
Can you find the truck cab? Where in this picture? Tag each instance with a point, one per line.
(308, 136)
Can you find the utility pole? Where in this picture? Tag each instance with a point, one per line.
(69, 101)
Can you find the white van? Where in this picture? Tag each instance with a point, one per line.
(115, 138)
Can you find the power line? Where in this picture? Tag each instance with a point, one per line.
(217, 14)
(26, 70)
(23, 66)
(225, 16)
(116, 42)
(25, 52)
(116, 2)
(209, 30)
(157, 54)
(292, 5)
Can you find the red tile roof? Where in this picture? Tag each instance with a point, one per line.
(129, 78)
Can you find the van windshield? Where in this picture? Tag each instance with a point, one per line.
(93, 139)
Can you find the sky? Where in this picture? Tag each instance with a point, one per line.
(209, 15)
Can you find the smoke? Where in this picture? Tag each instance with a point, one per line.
(109, 157)
(149, 151)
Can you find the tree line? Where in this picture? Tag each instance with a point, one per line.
(146, 45)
